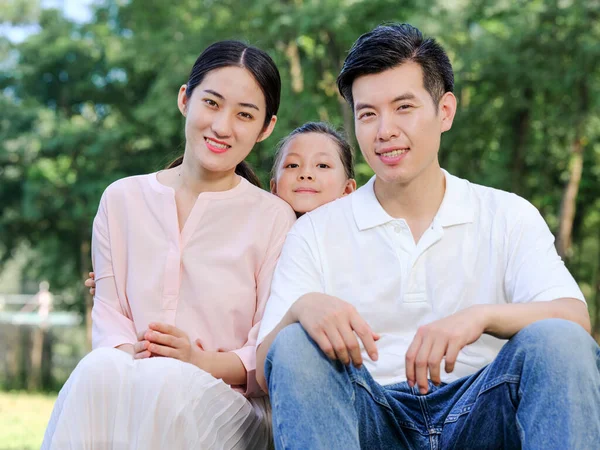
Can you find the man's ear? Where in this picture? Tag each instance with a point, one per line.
(182, 100)
(268, 130)
(447, 109)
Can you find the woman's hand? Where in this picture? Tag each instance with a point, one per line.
(90, 283)
(166, 340)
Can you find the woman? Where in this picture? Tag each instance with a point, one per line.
(183, 260)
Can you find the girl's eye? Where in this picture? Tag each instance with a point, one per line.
(291, 166)
(323, 166)
(210, 102)
(246, 115)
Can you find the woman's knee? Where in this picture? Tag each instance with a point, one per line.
(103, 365)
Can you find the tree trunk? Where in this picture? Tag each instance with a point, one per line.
(569, 200)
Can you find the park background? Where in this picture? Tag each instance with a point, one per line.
(88, 95)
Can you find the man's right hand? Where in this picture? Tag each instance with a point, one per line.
(332, 324)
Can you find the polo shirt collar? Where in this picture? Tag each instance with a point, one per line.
(456, 207)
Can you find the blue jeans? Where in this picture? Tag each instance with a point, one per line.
(541, 392)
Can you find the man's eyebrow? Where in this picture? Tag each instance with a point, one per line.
(245, 105)
(360, 106)
(405, 96)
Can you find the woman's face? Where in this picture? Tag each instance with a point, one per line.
(224, 118)
(311, 173)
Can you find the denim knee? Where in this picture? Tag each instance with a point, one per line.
(557, 341)
(294, 353)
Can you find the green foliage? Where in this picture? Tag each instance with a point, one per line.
(85, 104)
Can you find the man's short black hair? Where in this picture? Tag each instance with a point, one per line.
(388, 46)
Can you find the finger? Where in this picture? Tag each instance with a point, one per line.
(140, 335)
(421, 365)
(140, 346)
(324, 344)
(366, 335)
(142, 355)
(162, 350)
(339, 346)
(93, 291)
(161, 338)
(166, 329)
(352, 346)
(451, 355)
(89, 282)
(92, 275)
(435, 359)
(410, 358)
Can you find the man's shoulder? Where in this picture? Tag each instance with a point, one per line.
(497, 201)
(332, 214)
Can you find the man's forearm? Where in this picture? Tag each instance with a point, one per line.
(263, 348)
(504, 321)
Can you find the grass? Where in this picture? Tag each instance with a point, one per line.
(24, 417)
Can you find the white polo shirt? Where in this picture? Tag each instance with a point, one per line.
(484, 246)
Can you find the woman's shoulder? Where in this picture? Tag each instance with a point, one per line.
(129, 185)
(267, 203)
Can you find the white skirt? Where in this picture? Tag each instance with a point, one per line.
(113, 402)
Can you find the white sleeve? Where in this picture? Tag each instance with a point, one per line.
(298, 272)
(535, 272)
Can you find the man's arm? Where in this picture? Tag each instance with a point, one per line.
(504, 321)
(332, 323)
(537, 284)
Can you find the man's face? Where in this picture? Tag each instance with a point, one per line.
(397, 125)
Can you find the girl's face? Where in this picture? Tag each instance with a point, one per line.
(311, 173)
(224, 118)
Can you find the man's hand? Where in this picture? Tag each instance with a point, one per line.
(166, 340)
(443, 338)
(332, 324)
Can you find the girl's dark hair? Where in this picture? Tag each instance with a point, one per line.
(345, 149)
(258, 63)
(388, 46)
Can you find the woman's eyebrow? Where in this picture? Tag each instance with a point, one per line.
(245, 105)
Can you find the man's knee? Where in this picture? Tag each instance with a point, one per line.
(556, 340)
(294, 353)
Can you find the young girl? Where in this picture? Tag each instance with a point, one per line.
(144, 402)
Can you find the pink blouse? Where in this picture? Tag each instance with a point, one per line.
(212, 280)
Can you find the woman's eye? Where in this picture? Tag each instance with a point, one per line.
(210, 102)
(291, 166)
(323, 166)
(246, 115)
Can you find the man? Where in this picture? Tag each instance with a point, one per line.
(423, 267)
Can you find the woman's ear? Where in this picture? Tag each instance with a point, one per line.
(273, 186)
(268, 130)
(350, 187)
(182, 100)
